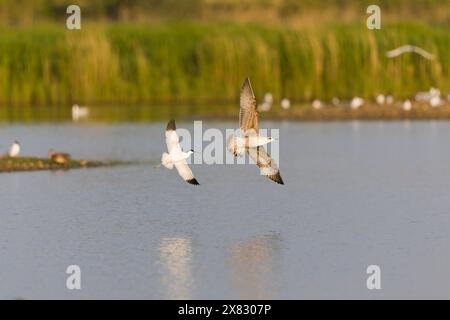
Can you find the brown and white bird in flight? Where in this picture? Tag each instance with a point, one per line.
(176, 157)
(249, 140)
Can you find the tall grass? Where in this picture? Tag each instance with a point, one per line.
(205, 62)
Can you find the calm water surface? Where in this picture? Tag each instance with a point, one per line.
(356, 194)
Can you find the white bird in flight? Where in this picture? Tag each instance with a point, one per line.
(409, 48)
(14, 150)
(176, 157)
(250, 141)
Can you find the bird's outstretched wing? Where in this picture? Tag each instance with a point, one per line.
(248, 115)
(409, 48)
(185, 172)
(266, 164)
(172, 140)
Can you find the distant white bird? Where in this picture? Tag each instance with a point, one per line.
(267, 103)
(434, 92)
(356, 103)
(409, 48)
(435, 101)
(389, 100)
(432, 96)
(335, 101)
(285, 103)
(317, 104)
(407, 105)
(79, 112)
(14, 150)
(422, 96)
(250, 141)
(380, 99)
(176, 157)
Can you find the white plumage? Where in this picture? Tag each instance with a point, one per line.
(176, 157)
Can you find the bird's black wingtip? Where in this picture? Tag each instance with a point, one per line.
(171, 125)
(193, 181)
(277, 178)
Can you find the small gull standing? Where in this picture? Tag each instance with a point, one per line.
(285, 103)
(14, 150)
(356, 103)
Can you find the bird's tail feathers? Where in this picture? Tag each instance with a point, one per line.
(165, 161)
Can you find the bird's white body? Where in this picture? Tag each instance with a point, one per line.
(389, 100)
(175, 156)
(266, 105)
(169, 159)
(240, 144)
(380, 99)
(253, 141)
(285, 103)
(432, 96)
(356, 103)
(435, 101)
(79, 112)
(317, 104)
(407, 105)
(14, 150)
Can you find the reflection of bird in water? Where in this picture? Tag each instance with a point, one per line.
(58, 157)
(253, 265)
(175, 254)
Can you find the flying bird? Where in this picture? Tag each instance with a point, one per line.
(250, 141)
(409, 48)
(176, 157)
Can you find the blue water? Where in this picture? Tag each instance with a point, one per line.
(356, 194)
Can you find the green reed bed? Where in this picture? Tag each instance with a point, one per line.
(206, 62)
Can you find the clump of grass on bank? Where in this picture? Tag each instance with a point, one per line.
(8, 164)
(206, 62)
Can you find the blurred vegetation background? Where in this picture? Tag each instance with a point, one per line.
(168, 51)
